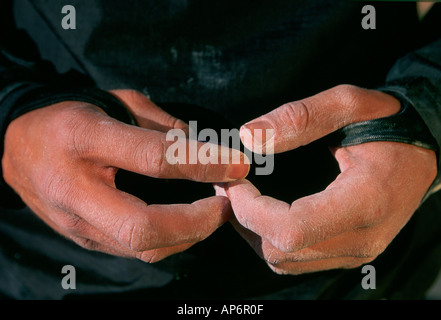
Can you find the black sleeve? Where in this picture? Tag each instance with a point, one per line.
(417, 79)
(27, 82)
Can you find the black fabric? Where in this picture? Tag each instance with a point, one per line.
(221, 63)
(39, 97)
(405, 127)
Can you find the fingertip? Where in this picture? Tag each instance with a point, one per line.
(179, 124)
(237, 171)
(246, 137)
(219, 206)
(237, 184)
(241, 190)
(258, 136)
(237, 164)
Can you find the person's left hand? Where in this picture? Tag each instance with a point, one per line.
(354, 219)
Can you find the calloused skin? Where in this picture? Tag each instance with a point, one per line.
(356, 217)
(62, 160)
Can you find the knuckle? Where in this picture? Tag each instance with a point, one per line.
(135, 234)
(74, 130)
(372, 249)
(207, 172)
(296, 115)
(151, 256)
(289, 242)
(292, 239)
(150, 159)
(348, 95)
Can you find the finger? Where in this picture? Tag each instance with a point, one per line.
(309, 220)
(74, 228)
(301, 122)
(155, 154)
(140, 227)
(146, 113)
(362, 243)
(150, 256)
(96, 241)
(88, 237)
(304, 261)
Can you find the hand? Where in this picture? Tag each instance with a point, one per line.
(62, 161)
(354, 219)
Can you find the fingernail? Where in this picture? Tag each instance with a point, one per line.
(261, 131)
(238, 171)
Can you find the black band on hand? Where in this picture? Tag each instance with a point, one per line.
(406, 126)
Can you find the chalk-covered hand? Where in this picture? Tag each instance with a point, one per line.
(62, 160)
(354, 219)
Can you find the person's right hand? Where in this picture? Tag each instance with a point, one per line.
(62, 160)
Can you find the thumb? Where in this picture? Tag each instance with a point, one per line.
(298, 123)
